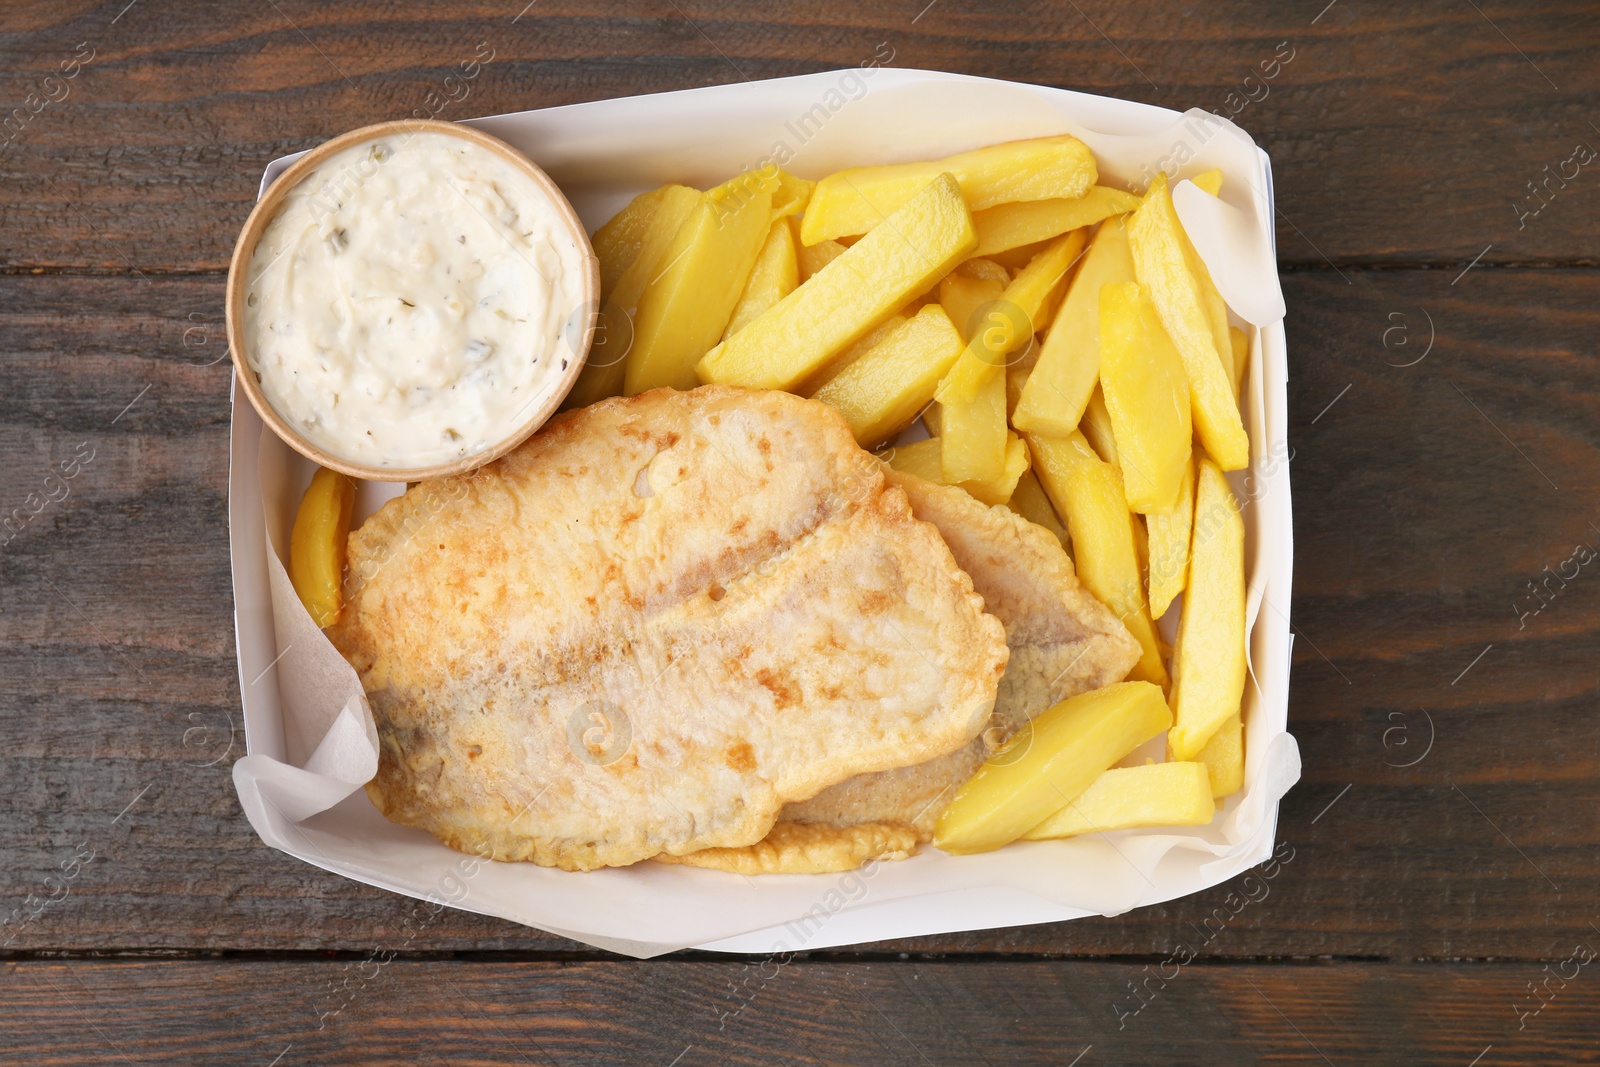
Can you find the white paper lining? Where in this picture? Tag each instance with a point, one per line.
(312, 743)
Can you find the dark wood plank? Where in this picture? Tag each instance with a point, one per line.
(1422, 514)
(920, 1012)
(1400, 133)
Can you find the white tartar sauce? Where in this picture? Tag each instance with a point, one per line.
(412, 301)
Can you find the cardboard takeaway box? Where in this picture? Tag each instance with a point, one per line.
(311, 741)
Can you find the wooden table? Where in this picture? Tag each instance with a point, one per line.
(1438, 241)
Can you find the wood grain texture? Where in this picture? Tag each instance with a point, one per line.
(684, 1014)
(1422, 512)
(1399, 133)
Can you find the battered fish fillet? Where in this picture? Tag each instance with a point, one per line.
(803, 848)
(1063, 642)
(653, 625)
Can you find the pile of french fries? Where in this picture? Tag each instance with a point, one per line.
(1072, 359)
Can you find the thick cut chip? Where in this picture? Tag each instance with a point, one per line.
(984, 270)
(881, 391)
(1124, 798)
(1017, 371)
(925, 460)
(791, 196)
(1063, 642)
(1105, 538)
(1169, 547)
(1049, 764)
(773, 277)
(317, 544)
(1014, 259)
(604, 370)
(1097, 429)
(962, 296)
(653, 625)
(1210, 181)
(1208, 661)
(617, 243)
(1062, 382)
(1182, 291)
(974, 434)
(856, 200)
(812, 258)
(1017, 463)
(1239, 342)
(1012, 322)
(687, 305)
(1147, 396)
(1014, 225)
(869, 281)
(1030, 502)
(839, 361)
(1223, 757)
(1217, 316)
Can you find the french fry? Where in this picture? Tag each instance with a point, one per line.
(1223, 757)
(1216, 307)
(1088, 491)
(868, 282)
(961, 296)
(603, 373)
(791, 196)
(687, 305)
(1013, 321)
(1048, 764)
(773, 277)
(1239, 342)
(924, 459)
(1169, 535)
(1097, 429)
(1017, 370)
(1147, 395)
(854, 201)
(812, 258)
(1209, 658)
(1029, 501)
(1217, 316)
(881, 390)
(1001, 491)
(1177, 280)
(1125, 798)
(1060, 386)
(1051, 305)
(1141, 542)
(984, 270)
(1014, 259)
(1210, 181)
(676, 204)
(618, 243)
(921, 458)
(1010, 225)
(840, 360)
(317, 545)
(974, 435)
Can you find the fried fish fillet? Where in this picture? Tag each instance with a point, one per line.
(653, 625)
(1063, 642)
(804, 848)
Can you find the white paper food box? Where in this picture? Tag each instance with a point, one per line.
(311, 741)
